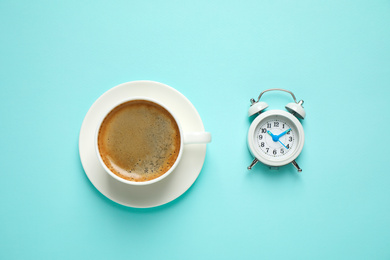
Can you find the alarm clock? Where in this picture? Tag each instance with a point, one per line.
(276, 137)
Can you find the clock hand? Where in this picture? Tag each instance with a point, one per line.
(283, 144)
(275, 138)
(285, 132)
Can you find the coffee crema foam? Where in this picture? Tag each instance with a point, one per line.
(139, 140)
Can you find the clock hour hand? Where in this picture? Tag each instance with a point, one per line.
(285, 132)
(275, 138)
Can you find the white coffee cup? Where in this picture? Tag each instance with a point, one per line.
(185, 138)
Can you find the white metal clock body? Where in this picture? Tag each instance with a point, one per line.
(276, 138)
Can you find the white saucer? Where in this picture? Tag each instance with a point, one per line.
(170, 187)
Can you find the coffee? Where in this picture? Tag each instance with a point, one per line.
(139, 140)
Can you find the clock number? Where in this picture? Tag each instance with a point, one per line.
(288, 146)
(274, 151)
(276, 124)
(283, 126)
(262, 144)
(290, 138)
(268, 125)
(267, 149)
(282, 151)
(263, 130)
(288, 132)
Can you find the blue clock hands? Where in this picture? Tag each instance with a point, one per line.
(283, 144)
(280, 135)
(275, 138)
(285, 132)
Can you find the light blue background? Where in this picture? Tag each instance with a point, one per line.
(58, 57)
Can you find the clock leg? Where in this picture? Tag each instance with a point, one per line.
(296, 166)
(252, 164)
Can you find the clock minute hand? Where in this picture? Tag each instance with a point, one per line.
(285, 132)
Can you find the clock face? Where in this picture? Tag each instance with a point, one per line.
(275, 137)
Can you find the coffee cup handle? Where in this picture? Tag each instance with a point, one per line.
(197, 138)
